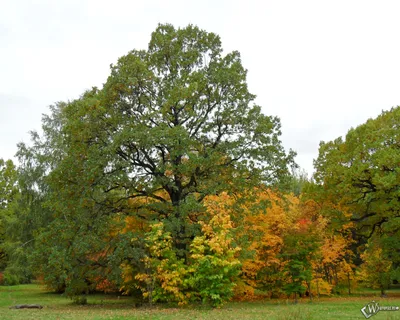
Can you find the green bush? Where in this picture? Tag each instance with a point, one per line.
(80, 300)
(10, 279)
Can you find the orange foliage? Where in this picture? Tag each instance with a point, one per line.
(105, 285)
(265, 229)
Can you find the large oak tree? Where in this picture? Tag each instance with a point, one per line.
(172, 125)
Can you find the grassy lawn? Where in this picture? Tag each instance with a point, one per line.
(112, 307)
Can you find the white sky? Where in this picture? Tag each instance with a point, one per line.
(321, 66)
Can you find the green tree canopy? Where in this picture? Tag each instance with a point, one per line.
(174, 123)
(171, 125)
(8, 183)
(8, 192)
(362, 172)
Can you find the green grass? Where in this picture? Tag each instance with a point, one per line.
(111, 307)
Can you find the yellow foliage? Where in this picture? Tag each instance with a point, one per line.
(265, 230)
(320, 286)
(334, 249)
(244, 291)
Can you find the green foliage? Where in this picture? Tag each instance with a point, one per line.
(213, 275)
(171, 126)
(377, 270)
(176, 118)
(215, 266)
(80, 300)
(300, 249)
(8, 192)
(362, 173)
(14, 231)
(298, 180)
(298, 272)
(26, 214)
(10, 279)
(358, 179)
(8, 183)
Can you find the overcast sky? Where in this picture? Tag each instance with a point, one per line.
(321, 66)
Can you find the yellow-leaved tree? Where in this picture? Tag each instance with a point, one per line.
(212, 267)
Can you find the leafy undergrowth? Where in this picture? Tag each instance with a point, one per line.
(112, 307)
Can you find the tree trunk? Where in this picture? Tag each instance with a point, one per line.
(349, 282)
(179, 238)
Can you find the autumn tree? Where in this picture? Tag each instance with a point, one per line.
(172, 125)
(213, 268)
(179, 117)
(263, 230)
(334, 270)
